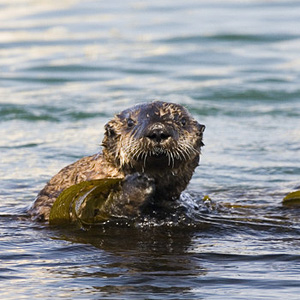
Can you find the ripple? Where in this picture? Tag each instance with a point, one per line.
(10, 111)
(36, 113)
(231, 37)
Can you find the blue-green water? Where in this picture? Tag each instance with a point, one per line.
(67, 66)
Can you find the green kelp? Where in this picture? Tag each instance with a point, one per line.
(86, 202)
(292, 199)
(96, 201)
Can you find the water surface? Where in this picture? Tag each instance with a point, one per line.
(67, 67)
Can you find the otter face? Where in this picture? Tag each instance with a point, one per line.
(153, 136)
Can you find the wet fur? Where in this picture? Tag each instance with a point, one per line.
(129, 147)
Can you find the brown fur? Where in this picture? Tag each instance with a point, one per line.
(159, 139)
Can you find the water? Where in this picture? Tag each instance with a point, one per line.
(68, 66)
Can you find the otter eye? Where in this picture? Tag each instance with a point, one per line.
(130, 123)
(183, 121)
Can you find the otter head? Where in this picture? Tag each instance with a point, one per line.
(154, 138)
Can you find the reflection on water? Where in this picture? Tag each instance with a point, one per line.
(68, 67)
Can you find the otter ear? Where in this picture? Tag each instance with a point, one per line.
(201, 128)
(110, 135)
(109, 129)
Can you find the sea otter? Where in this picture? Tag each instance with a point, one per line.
(155, 142)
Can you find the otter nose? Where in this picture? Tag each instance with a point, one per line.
(158, 134)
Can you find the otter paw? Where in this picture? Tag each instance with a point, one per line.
(138, 184)
(135, 193)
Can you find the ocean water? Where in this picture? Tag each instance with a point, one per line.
(67, 67)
